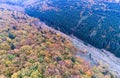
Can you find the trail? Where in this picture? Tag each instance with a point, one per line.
(82, 16)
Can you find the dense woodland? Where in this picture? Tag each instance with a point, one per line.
(31, 50)
(97, 24)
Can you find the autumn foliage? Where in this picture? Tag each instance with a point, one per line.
(28, 50)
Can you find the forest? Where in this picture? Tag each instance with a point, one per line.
(96, 24)
(28, 50)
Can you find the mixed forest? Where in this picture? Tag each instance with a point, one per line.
(28, 49)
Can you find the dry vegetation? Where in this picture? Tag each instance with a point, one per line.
(30, 51)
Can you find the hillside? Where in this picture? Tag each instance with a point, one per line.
(94, 21)
(30, 49)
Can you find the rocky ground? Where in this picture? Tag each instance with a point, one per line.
(95, 56)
